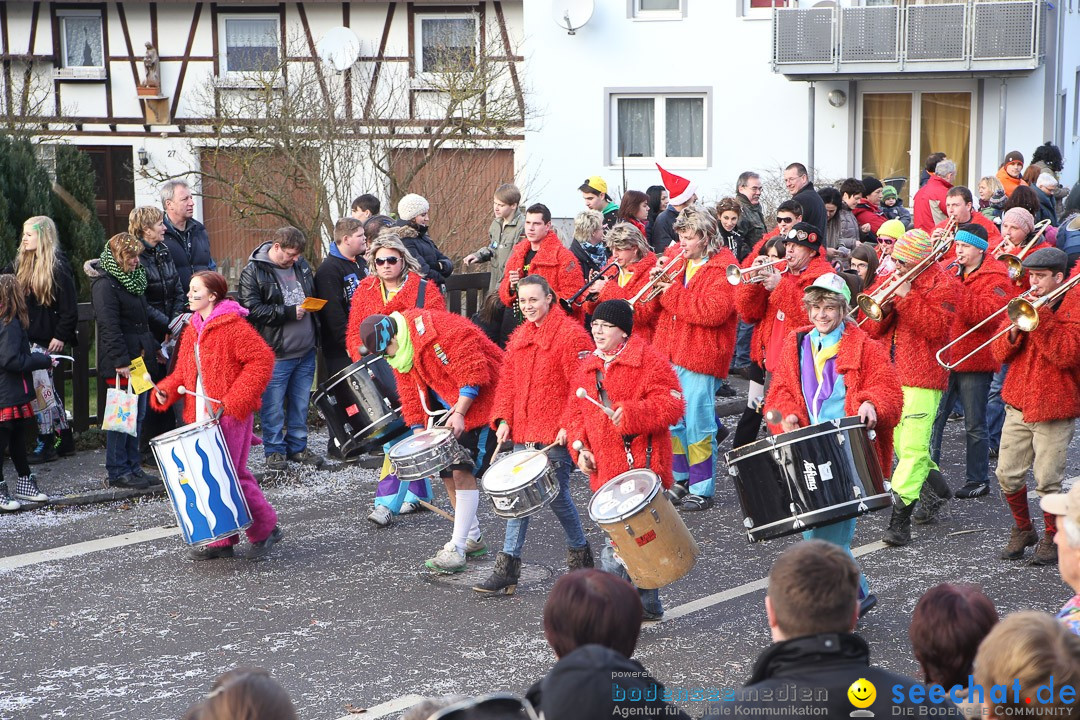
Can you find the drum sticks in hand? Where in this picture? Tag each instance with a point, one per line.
(585, 396)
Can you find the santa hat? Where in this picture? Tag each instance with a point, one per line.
(680, 190)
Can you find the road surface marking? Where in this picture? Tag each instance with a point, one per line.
(387, 708)
(84, 548)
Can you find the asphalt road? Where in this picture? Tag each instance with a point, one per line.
(345, 616)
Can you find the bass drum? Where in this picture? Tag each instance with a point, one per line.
(361, 406)
(807, 478)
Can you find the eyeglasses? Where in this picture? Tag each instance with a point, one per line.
(391, 260)
(601, 325)
(511, 705)
(781, 219)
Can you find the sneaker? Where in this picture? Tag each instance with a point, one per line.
(725, 390)
(381, 516)
(867, 604)
(127, 481)
(972, 490)
(676, 493)
(306, 457)
(261, 549)
(210, 553)
(953, 417)
(650, 616)
(26, 489)
(44, 451)
(408, 507)
(696, 502)
(276, 462)
(742, 371)
(1019, 541)
(447, 561)
(1045, 552)
(475, 548)
(151, 479)
(7, 503)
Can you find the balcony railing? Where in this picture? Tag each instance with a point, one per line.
(959, 36)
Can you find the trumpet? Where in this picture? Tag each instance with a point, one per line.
(651, 291)
(1015, 261)
(1023, 314)
(578, 297)
(744, 276)
(878, 304)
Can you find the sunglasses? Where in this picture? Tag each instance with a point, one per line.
(784, 219)
(505, 703)
(387, 260)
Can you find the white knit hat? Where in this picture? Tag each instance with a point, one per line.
(412, 205)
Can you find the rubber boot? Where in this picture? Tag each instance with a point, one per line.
(578, 558)
(67, 443)
(504, 578)
(898, 533)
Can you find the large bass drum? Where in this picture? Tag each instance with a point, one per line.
(361, 406)
(807, 478)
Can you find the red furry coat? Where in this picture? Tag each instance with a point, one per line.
(918, 327)
(984, 291)
(641, 381)
(992, 232)
(755, 304)
(236, 362)
(696, 325)
(552, 261)
(367, 300)
(1044, 365)
(534, 385)
(449, 352)
(868, 376)
(645, 313)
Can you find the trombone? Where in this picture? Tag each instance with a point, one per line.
(651, 290)
(878, 304)
(1023, 315)
(1015, 260)
(744, 276)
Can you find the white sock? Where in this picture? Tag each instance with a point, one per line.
(474, 529)
(465, 516)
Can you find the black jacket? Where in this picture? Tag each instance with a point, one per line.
(736, 243)
(813, 207)
(163, 290)
(189, 248)
(663, 230)
(818, 670)
(586, 684)
(16, 365)
(751, 220)
(261, 294)
(585, 260)
(1046, 207)
(335, 281)
(59, 319)
(125, 324)
(433, 264)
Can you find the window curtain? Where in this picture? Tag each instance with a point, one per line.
(946, 127)
(684, 127)
(83, 37)
(448, 44)
(637, 127)
(251, 45)
(886, 136)
(647, 5)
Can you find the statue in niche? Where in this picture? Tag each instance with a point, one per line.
(151, 61)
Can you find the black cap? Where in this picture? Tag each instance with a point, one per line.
(870, 184)
(804, 234)
(617, 312)
(1047, 258)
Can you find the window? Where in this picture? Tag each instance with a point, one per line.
(446, 43)
(651, 127)
(252, 43)
(657, 9)
(761, 9)
(82, 39)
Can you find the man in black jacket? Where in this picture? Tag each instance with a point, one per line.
(273, 287)
(337, 277)
(186, 237)
(751, 220)
(802, 191)
(816, 664)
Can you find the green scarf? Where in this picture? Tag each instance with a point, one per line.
(134, 282)
(402, 361)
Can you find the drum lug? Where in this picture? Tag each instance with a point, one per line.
(840, 439)
(858, 496)
(732, 471)
(629, 530)
(656, 515)
(748, 523)
(871, 435)
(797, 524)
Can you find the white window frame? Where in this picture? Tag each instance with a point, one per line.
(634, 11)
(659, 97)
(418, 36)
(85, 72)
(238, 76)
(1076, 105)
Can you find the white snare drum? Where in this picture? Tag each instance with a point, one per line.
(426, 453)
(202, 482)
(518, 489)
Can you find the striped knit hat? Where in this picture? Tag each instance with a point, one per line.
(912, 247)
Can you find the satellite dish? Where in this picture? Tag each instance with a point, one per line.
(339, 47)
(571, 14)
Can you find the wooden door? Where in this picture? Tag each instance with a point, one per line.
(114, 185)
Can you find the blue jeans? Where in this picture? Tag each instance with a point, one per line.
(285, 405)
(122, 456)
(995, 408)
(650, 599)
(563, 507)
(973, 389)
(742, 345)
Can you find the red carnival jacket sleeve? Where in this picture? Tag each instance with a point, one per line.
(880, 386)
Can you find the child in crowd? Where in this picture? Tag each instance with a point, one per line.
(892, 207)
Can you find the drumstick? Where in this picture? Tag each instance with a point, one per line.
(773, 417)
(536, 454)
(585, 396)
(434, 509)
(578, 445)
(184, 391)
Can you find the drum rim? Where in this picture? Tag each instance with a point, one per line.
(189, 429)
(421, 433)
(346, 372)
(644, 503)
(546, 470)
(802, 516)
(770, 443)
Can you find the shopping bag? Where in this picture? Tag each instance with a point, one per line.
(44, 392)
(121, 410)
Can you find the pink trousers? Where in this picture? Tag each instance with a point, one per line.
(238, 441)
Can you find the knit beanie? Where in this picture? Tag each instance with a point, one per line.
(974, 235)
(997, 200)
(376, 332)
(804, 234)
(913, 246)
(1014, 156)
(617, 312)
(889, 193)
(1021, 218)
(870, 184)
(412, 205)
(891, 229)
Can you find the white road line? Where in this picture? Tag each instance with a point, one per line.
(387, 708)
(84, 548)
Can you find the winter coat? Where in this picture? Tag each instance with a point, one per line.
(1044, 366)
(60, 318)
(534, 383)
(696, 325)
(501, 240)
(261, 294)
(642, 382)
(126, 324)
(1008, 182)
(813, 207)
(919, 326)
(1046, 206)
(163, 290)
(368, 300)
(820, 666)
(449, 353)
(735, 242)
(336, 281)
(898, 212)
(434, 265)
(993, 234)
(553, 262)
(236, 363)
(585, 261)
(645, 313)
(868, 376)
(984, 291)
(16, 365)
(867, 212)
(843, 231)
(189, 249)
(928, 205)
(663, 230)
(751, 220)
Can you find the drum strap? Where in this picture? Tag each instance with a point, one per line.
(627, 439)
(421, 294)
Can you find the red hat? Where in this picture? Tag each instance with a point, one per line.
(680, 190)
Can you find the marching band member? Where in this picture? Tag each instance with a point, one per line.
(530, 399)
(628, 375)
(223, 357)
(986, 288)
(442, 358)
(833, 370)
(397, 285)
(540, 253)
(635, 259)
(919, 324)
(696, 331)
(1042, 396)
(959, 210)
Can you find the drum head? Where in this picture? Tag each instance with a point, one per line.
(419, 442)
(624, 495)
(192, 429)
(507, 474)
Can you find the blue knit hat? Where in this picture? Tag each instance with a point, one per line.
(973, 235)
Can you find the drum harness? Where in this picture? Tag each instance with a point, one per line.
(627, 439)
